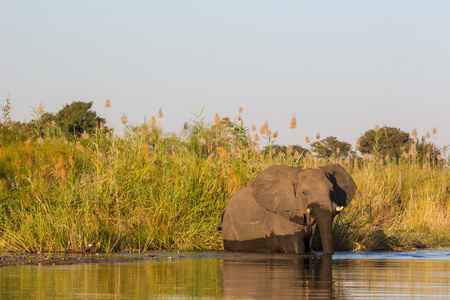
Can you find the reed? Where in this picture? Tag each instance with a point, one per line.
(399, 205)
(145, 190)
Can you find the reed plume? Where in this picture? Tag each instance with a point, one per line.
(124, 119)
(41, 109)
(217, 119)
(414, 133)
(265, 129)
(293, 126)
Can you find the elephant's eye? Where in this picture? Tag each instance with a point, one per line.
(304, 192)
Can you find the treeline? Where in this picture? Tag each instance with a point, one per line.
(69, 183)
(71, 121)
(77, 118)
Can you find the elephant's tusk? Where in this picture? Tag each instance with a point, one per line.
(308, 218)
(339, 208)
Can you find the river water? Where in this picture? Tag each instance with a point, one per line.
(423, 274)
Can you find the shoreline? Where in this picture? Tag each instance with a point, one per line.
(12, 259)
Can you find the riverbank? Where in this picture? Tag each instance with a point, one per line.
(144, 191)
(45, 259)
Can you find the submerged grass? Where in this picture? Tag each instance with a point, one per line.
(144, 191)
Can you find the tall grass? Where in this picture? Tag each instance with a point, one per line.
(399, 205)
(145, 190)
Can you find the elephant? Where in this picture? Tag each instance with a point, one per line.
(282, 208)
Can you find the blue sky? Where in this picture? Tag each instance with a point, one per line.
(342, 67)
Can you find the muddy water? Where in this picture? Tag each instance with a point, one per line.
(215, 275)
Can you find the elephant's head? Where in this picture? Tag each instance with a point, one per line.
(306, 197)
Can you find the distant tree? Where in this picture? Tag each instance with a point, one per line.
(330, 146)
(48, 118)
(287, 150)
(223, 123)
(15, 132)
(384, 141)
(426, 151)
(45, 120)
(230, 133)
(75, 118)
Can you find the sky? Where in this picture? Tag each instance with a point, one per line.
(342, 67)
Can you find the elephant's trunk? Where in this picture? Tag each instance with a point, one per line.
(325, 222)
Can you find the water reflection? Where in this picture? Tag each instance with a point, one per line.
(278, 276)
(162, 277)
(389, 278)
(217, 275)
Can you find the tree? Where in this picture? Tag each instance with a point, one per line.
(384, 141)
(76, 118)
(330, 146)
(426, 151)
(14, 132)
(41, 121)
(276, 150)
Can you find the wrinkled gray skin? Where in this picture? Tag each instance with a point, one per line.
(281, 210)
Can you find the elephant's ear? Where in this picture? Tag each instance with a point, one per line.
(274, 190)
(343, 185)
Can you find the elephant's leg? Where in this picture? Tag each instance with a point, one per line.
(308, 245)
(292, 243)
(308, 239)
(290, 236)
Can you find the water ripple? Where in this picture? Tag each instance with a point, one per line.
(440, 253)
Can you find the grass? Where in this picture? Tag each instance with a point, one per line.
(144, 190)
(399, 205)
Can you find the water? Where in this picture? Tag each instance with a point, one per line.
(423, 274)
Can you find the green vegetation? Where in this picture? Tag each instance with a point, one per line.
(66, 190)
(384, 141)
(77, 118)
(330, 146)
